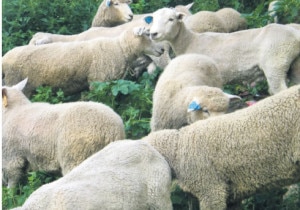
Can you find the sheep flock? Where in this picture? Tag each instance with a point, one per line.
(219, 156)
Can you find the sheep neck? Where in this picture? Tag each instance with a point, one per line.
(130, 48)
(183, 36)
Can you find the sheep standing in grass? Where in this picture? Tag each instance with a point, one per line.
(71, 66)
(125, 175)
(244, 55)
(223, 160)
(52, 138)
(189, 80)
(112, 13)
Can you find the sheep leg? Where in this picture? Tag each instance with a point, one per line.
(14, 172)
(276, 77)
(214, 198)
(295, 71)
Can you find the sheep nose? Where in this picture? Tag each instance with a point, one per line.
(153, 35)
(130, 16)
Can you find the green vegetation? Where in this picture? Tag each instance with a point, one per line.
(131, 98)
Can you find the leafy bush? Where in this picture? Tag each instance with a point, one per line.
(131, 100)
(13, 197)
(22, 18)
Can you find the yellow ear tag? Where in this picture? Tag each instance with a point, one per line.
(4, 100)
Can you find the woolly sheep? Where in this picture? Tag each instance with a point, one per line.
(71, 66)
(127, 175)
(224, 20)
(243, 55)
(112, 13)
(188, 80)
(223, 160)
(232, 19)
(204, 21)
(52, 138)
(95, 32)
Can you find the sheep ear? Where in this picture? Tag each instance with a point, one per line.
(108, 3)
(189, 6)
(232, 96)
(148, 19)
(4, 97)
(194, 106)
(21, 85)
(180, 16)
(139, 31)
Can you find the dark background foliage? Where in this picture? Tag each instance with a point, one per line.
(131, 98)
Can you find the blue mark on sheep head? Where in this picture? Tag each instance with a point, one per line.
(108, 3)
(194, 106)
(148, 19)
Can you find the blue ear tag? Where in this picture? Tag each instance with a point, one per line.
(194, 106)
(108, 3)
(148, 19)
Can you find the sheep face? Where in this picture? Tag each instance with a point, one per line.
(143, 39)
(206, 102)
(113, 13)
(164, 24)
(118, 11)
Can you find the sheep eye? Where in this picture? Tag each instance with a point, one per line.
(171, 19)
(205, 110)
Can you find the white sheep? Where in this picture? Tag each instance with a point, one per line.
(189, 81)
(71, 66)
(232, 19)
(204, 21)
(224, 20)
(112, 13)
(243, 55)
(125, 175)
(52, 138)
(223, 160)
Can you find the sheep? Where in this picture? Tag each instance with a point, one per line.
(71, 66)
(112, 13)
(125, 175)
(223, 160)
(244, 55)
(95, 32)
(232, 19)
(188, 80)
(224, 20)
(204, 21)
(52, 138)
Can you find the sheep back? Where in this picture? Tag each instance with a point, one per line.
(129, 175)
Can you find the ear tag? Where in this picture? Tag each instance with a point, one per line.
(194, 106)
(148, 19)
(4, 101)
(108, 3)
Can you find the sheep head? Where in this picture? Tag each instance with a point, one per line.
(164, 24)
(10, 95)
(112, 13)
(147, 45)
(205, 102)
